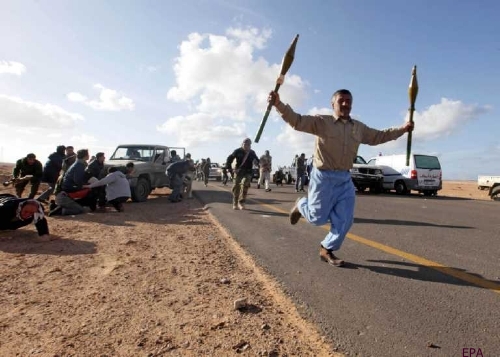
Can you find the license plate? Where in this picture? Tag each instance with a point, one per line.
(429, 182)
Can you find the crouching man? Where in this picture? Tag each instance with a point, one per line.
(176, 173)
(73, 196)
(117, 188)
(19, 212)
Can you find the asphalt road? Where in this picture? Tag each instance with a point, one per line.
(422, 279)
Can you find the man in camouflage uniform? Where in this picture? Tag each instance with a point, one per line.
(242, 176)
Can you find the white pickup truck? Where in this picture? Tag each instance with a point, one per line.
(491, 183)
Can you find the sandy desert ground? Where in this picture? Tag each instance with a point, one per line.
(158, 279)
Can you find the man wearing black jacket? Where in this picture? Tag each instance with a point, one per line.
(51, 171)
(19, 212)
(245, 158)
(96, 170)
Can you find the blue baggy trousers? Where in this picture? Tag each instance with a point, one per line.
(331, 198)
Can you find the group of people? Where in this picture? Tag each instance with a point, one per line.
(330, 197)
(73, 181)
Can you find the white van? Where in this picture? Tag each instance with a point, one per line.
(423, 175)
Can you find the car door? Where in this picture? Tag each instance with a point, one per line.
(160, 167)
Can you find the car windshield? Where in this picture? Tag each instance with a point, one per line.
(359, 160)
(427, 162)
(138, 153)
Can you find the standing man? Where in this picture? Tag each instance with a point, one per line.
(242, 176)
(265, 170)
(300, 167)
(31, 170)
(331, 195)
(206, 171)
(189, 176)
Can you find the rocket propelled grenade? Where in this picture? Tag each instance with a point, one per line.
(286, 63)
(412, 94)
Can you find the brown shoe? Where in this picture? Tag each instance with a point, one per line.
(327, 256)
(295, 213)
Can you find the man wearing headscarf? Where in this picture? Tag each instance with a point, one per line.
(265, 170)
(19, 212)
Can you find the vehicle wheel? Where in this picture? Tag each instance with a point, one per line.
(400, 188)
(495, 193)
(141, 191)
(376, 189)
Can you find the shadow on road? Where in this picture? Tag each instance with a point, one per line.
(422, 272)
(417, 196)
(396, 222)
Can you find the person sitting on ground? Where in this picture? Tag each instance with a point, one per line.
(117, 188)
(19, 212)
(31, 170)
(176, 172)
(73, 196)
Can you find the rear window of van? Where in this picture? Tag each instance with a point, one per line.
(427, 162)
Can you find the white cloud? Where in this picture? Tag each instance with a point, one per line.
(295, 142)
(201, 128)
(76, 97)
(445, 118)
(221, 76)
(11, 67)
(17, 112)
(323, 111)
(109, 100)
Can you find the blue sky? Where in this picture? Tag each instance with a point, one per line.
(94, 74)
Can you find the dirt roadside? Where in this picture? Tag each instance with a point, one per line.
(158, 279)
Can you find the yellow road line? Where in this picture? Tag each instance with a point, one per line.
(456, 273)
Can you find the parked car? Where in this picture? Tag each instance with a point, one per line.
(150, 163)
(215, 171)
(424, 173)
(393, 180)
(366, 176)
(490, 183)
